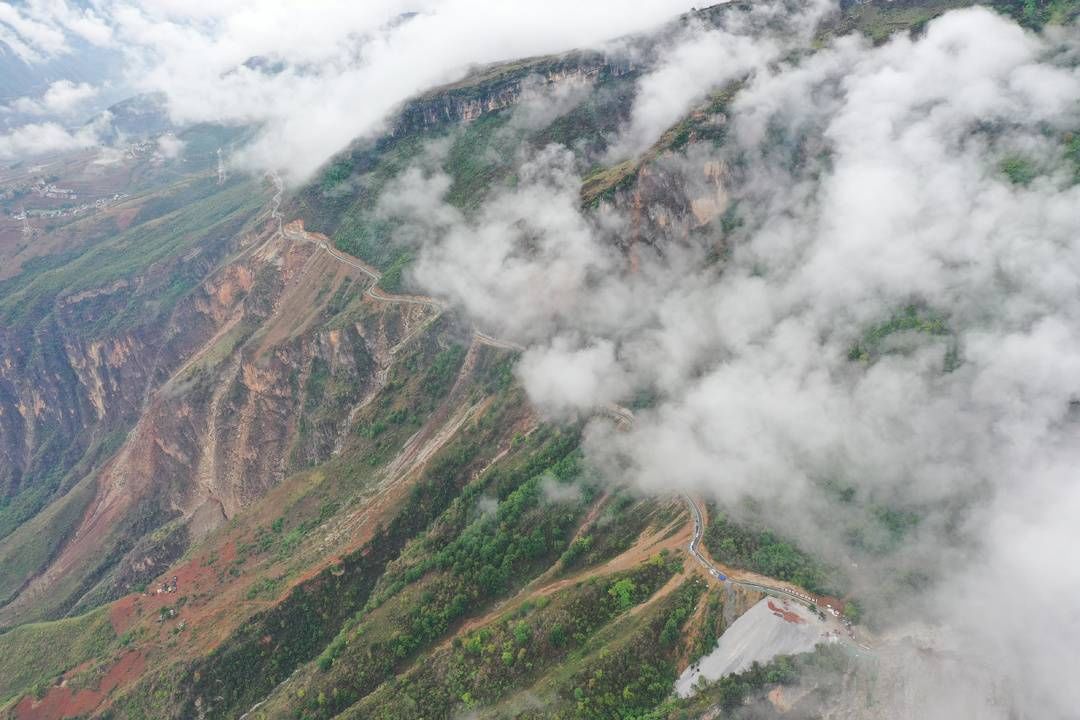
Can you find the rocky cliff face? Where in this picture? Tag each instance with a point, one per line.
(175, 394)
(142, 408)
(255, 371)
(504, 86)
(65, 384)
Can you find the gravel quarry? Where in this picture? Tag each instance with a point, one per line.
(771, 627)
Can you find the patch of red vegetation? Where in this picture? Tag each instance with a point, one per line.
(61, 702)
(785, 614)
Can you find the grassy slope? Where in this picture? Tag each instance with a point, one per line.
(28, 549)
(36, 653)
(518, 649)
(283, 542)
(418, 691)
(167, 226)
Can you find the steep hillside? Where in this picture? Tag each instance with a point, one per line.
(249, 469)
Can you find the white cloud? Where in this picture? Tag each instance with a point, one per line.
(42, 138)
(38, 30)
(558, 376)
(353, 62)
(866, 179)
(480, 263)
(703, 59)
(170, 146)
(29, 38)
(62, 98)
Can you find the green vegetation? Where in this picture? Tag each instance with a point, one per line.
(33, 655)
(37, 490)
(826, 663)
(392, 279)
(479, 158)
(344, 203)
(436, 583)
(1072, 154)
(706, 123)
(204, 211)
(55, 467)
(614, 530)
(336, 174)
(711, 628)
(586, 127)
(510, 652)
(307, 620)
(882, 530)
(328, 393)
(879, 21)
(763, 552)
(377, 633)
(264, 588)
(852, 611)
(913, 318)
(281, 540)
(1037, 14)
(417, 386)
(603, 184)
(1019, 170)
(628, 678)
(26, 550)
(439, 376)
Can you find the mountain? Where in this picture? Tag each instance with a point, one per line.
(247, 470)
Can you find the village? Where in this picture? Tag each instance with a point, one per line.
(48, 190)
(69, 211)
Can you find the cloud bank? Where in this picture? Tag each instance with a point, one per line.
(62, 97)
(928, 178)
(42, 138)
(313, 79)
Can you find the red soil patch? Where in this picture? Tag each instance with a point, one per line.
(62, 702)
(192, 577)
(828, 601)
(124, 217)
(785, 614)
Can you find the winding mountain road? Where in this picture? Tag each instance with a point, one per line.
(699, 529)
(624, 416)
(295, 231)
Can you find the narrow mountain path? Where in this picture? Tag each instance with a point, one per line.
(295, 231)
(624, 416)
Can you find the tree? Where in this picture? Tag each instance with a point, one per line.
(623, 592)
